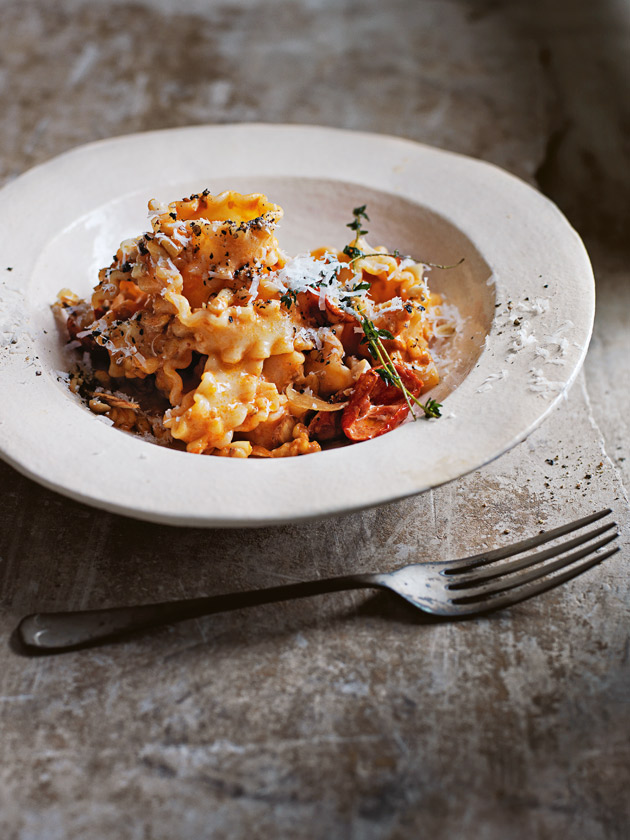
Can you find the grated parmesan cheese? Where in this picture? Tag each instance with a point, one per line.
(393, 305)
(253, 289)
(537, 306)
(566, 325)
(489, 381)
(304, 272)
(523, 337)
(314, 335)
(539, 384)
(180, 233)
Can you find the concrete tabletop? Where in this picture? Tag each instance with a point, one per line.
(348, 716)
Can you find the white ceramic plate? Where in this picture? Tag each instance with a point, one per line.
(526, 280)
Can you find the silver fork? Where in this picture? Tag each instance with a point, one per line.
(450, 589)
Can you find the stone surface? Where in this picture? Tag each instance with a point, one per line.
(348, 716)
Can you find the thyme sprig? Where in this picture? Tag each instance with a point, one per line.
(356, 224)
(357, 254)
(373, 336)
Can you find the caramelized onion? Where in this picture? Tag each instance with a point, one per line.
(309, 402)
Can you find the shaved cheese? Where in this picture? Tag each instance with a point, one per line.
(489, 381)
(534, 307)
(446, 319)
(128, 248)
(224, 275)
(522, 338)
(253, 289)
(396, 303)
(180, 233)
(305, 272)
(543, 386)
(314, 335)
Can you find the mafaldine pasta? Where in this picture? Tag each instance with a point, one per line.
(203, 335)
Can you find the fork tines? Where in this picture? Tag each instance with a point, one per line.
(481, 582)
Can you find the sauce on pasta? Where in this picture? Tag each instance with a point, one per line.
(205, 336)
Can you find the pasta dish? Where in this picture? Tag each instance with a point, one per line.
(205, 336)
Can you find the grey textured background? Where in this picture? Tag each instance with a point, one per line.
(347, 716)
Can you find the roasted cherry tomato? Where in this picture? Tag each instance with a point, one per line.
(326, 425)
(376, 407)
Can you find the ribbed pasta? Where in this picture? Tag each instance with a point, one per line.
(207, 312)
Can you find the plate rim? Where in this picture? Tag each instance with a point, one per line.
(343, 502)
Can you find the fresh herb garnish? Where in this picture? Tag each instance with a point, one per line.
(432, 408)
(356, 224)
(373, 337)
(353, 253)
(289, 298)
(357, 254)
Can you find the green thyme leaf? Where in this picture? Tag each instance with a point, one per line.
(289, 298)
(372, 336)
(387, 375)
(352, 252)
(356, 224)
(432, 408)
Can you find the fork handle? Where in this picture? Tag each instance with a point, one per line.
(58, 631)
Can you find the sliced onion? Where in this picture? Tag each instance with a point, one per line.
(308, 402)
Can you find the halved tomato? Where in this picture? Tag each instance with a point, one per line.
(326, 425)
(376, 407)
